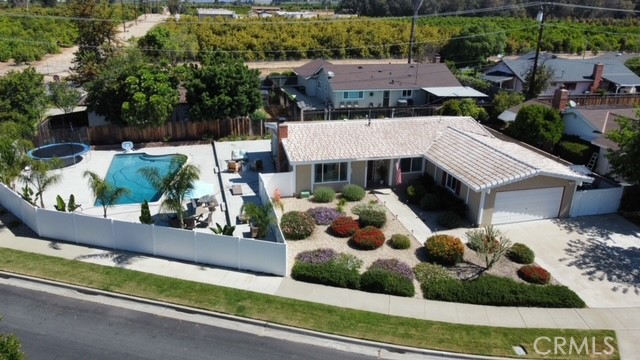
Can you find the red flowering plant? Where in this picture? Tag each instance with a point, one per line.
(534, 274)
(368, 238)
(344, 226)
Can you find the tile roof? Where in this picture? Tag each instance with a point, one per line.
(459, 145)
(381, 76)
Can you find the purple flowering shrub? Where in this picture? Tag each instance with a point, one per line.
(324, 215)
(317, 256)
(395, 266)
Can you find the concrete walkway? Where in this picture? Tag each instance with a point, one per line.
(625, 321)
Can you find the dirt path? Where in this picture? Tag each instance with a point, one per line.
(58, 64)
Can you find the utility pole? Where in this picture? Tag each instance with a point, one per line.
(532, 80)
(417, 4)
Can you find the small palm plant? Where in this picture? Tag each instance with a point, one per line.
(262, 216)
(40, 177)
(103, 191)
(175, 185)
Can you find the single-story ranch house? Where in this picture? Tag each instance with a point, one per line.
(500, 181)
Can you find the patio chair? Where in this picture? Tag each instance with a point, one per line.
(233, 167)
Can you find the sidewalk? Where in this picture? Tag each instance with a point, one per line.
(625, 321)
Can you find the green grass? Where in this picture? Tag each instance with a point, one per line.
(480, 340)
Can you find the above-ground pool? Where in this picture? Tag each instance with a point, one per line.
(68, 153)
(123, 172)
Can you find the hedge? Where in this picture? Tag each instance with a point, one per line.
(329, 273)
(386, 282)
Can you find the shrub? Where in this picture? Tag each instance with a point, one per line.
(371, 206)
(574, 150)
(497, 291)
(426, 272)
(430, 202)
(372, 218)
(521, 254)
(344, 226)
(368, 238)
(324, 215)
(297, 225)
(317, 256)
(395, 266)
(341, 203)
(415, 191)
(324, 195)
(386, 282)
(353, 192)
(450, 201)
(444, 249)
(331, 273)
(534, 274)
(489, 243)
(349, 261)
(400, 241)
(450, 220)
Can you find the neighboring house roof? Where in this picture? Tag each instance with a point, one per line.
(454, 91)
(381, 76)
(511, 113)
(604, 120)
(572, 70)
(458, 144)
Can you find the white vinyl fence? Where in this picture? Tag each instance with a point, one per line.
(204, 248)
(596, 201)
(281, 181)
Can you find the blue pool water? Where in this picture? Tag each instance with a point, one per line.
(123, 172)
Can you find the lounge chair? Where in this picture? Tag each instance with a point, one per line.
(233, 167)
(127, 146)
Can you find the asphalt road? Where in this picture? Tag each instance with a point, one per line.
(57, 327)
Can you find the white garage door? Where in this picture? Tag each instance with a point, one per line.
(526, 205)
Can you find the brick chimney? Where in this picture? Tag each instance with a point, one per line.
(598, 70)
(560, 98)
(281, 160)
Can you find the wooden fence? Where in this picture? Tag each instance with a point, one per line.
(599, 100)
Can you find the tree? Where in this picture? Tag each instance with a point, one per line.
(13, 152)
(544, 74)
(152, 95)
(464, 107)
(537, 125)
(10, 347)
(40, 177)
(262, 216)
(103, 191)
(23, 98)
(490, 244)
(63, 96)
(624, 160)
(145, 213)
(175, 185)
(223, 87)
(505, 100)
(474, 45)
(634, 63)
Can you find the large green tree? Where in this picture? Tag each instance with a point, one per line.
(13, 151)
(63, 96)
(537, 125)
(223, 87)
(504, 100)
(152, 95)
(534, 86)
(474, 44)
(625, 161)
(464, 107)
(23, 98)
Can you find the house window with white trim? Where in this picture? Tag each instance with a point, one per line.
(450, 182)
(351, 95)
(408, 165)
(331, 172)
(407, 93)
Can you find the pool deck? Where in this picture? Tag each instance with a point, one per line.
(202, 156)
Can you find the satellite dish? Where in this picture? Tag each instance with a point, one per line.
(330, 74)
(572, 104)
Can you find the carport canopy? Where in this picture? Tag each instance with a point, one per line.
(454, 91)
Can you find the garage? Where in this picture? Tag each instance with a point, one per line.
(527, 205)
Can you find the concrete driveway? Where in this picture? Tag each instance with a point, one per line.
(598, 257)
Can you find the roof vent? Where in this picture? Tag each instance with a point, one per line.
(330, 74)
(359, 67)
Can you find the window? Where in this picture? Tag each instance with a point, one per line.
(353, 95)
(570, 86)
(451, 182)
(331, 172)
(407, 93)
(411, 165)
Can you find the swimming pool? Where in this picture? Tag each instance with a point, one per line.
(123, 172)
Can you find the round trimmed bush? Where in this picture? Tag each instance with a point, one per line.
(324, 195)
(386, 282)
(400, 241)
(375, 218)
(297, 225)
(344, 226)
(521, 254)
(368, 238)
(450, 220)
(395, 266)
(444, 249)
(426, 273)
(324, 215)
(353, 192)
(534, 274)
(430, 202)
(317, 256)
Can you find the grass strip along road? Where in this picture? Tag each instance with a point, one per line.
(482, 340)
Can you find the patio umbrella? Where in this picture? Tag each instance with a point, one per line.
(201, 189)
